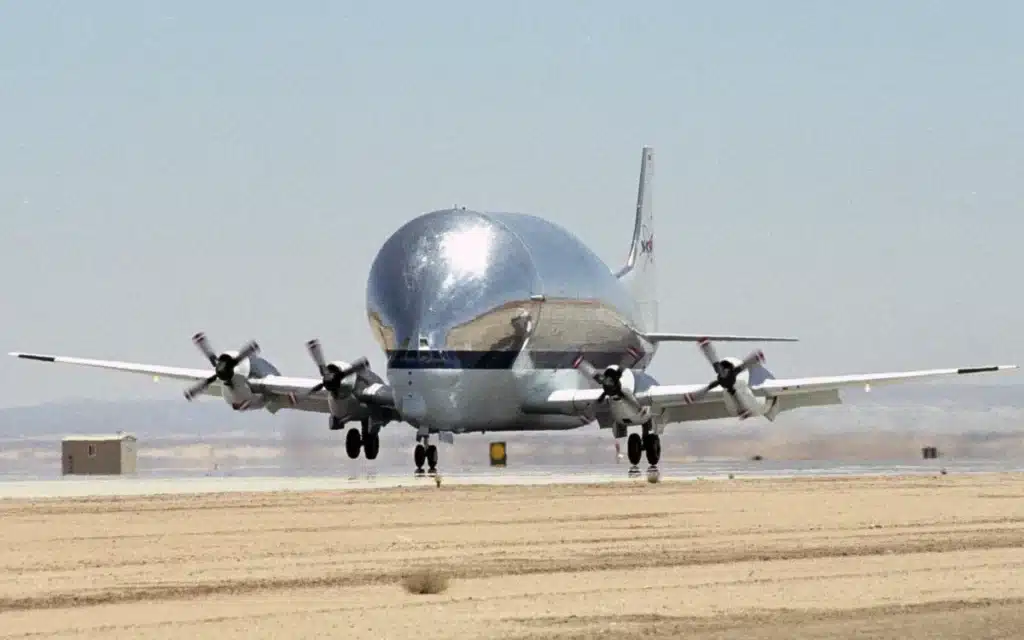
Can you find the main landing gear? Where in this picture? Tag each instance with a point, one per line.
(366, 439)
(637, 445)
(425, 452)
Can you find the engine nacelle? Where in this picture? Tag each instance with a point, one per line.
(621, 411)
(341, 407)
(754, 375)
(349, 381)
(241, 396)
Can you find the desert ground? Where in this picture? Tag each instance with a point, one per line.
(916, 557)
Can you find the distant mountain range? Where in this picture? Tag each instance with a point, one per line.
(974, 421)
(987, 406)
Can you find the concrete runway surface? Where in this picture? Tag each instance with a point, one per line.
(920, 556)
(366, 476)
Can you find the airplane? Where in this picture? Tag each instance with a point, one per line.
(494, 321)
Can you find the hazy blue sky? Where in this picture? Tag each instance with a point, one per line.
(850, 173)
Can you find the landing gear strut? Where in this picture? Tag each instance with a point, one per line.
(652, 447)
(425, 453)
(636, 446)
(371, 444)
(366, 439)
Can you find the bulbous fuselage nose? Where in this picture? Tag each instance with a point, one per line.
(449, 300)
(450, 282)
(477, 311)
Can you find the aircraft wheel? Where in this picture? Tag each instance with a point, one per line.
(419, 455)
(353, 443)
(371, 445)
(432, 458)
(652, 447)
(634, 448)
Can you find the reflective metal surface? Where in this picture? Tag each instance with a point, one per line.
(451, 283)
(478, 310)
(467, 290)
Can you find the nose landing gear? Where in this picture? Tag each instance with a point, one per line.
(425, 452)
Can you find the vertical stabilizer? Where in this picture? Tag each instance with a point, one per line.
(638, 274)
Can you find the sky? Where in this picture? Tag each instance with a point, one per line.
(848, 173)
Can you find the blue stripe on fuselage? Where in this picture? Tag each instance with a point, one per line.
(459, 359)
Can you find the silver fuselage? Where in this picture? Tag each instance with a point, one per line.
(478, 311)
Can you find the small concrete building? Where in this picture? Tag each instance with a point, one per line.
(112, 454)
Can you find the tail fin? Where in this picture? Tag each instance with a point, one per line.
(639, 274)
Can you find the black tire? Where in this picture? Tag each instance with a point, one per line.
(353, 443)
(432, 456)
(371, 445)
(652, 447)
(634, 448)
(419, 455)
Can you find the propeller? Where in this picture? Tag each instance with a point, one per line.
(331, 375)
(223, 364)
(610, 380)
(726, 374)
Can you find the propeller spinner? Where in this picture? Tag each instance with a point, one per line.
(331, 375)
(726, 374)
(223, 364)
(611, 383)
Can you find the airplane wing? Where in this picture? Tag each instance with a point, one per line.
(677, 401)
(290, 392)
(697, 337)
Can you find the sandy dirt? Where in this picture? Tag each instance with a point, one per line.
(924, 557)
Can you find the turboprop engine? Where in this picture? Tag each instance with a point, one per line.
(232, 369)
(618, 385)
(734, 376)
(338, 378)
(740, 401)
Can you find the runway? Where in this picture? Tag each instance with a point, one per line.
(363, 476)
(916, 556)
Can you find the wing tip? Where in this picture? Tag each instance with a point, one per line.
(990, 369)
(32, 356)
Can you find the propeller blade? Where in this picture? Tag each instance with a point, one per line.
(588, 369)
(315, 389)
(709, 352)
(609, 381)
(753, 358)
(199, 387)
(204, 346)
(360, 364)
(331, 374)
(313, 346)
(250, 349)
(699, 395)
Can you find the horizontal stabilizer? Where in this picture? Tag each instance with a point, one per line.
(697, 337)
